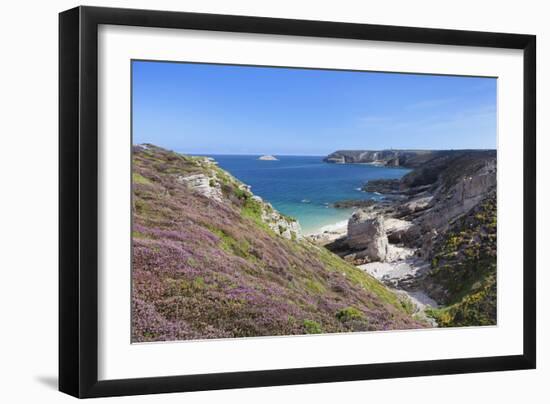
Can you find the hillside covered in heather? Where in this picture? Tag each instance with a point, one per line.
(211, 260)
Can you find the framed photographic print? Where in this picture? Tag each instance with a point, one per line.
(251, 201)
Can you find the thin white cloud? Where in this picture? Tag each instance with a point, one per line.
(373, 120)
(440, 122)
(427, 104)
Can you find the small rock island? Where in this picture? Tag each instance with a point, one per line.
(268, 157)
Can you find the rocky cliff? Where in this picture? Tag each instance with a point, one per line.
(212, 260)
(394, 158)
(463, 268)
(444, 211)
(441, 190)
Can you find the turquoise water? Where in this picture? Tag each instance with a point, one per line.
(304, 186)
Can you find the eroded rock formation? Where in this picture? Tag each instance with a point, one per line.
(368, 234)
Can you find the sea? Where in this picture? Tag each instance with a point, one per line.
(305, 187)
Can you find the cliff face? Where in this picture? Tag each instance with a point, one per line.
(463, 268)
(444, 211)
(212, 260)
(440, 190)
(395, 158)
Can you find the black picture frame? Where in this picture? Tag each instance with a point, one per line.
(78, 201)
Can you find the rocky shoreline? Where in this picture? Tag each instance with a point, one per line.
(398, 238)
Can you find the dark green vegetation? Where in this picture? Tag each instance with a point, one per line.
(207, 263)
(463, 272)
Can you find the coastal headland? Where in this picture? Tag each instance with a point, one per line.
(432, 235)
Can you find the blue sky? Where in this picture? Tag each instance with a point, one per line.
(218, 109)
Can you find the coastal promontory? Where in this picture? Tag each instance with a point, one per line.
(432, 234)
(394, 157)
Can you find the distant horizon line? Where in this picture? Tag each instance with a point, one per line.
(311, 155)
(255, 154)
(324, 155)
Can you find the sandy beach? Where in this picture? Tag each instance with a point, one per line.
(329, 233)
(399, 269)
